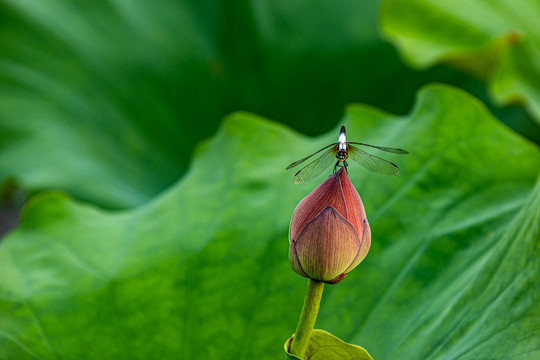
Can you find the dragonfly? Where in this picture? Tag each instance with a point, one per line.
(340, 152)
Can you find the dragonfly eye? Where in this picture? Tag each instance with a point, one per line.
(342, 155)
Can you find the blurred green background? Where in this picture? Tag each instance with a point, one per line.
(108, 100)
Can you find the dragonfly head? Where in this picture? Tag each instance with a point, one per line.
(342, 155)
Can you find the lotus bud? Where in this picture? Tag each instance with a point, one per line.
(329, 233)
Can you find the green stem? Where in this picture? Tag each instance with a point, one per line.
(306, 323)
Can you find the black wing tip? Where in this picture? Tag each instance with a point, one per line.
(297, 180)
(342, 130)
(395, 173)
(396, 168)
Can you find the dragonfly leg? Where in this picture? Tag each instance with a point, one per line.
(336, 167)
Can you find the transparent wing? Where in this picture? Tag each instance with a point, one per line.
(372, 162)
(387, 149)
(316, 167)
(298, 162)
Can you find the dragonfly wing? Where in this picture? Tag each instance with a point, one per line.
(315, 168)
(372, 162)
(383, 148)
(298, 162)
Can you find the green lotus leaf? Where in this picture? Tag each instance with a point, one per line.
(323, 345)
(202, 271)
(106, 100)
(497, 41)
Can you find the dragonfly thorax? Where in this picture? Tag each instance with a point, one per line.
(342, 141)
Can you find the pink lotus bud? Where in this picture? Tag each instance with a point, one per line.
(329, 233)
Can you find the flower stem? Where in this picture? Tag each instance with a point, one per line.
(306, 323)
